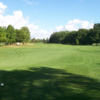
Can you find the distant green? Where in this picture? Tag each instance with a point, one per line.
(50, 72)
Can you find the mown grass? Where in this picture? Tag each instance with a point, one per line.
(50, 72)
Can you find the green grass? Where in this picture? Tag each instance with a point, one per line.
(50, 72)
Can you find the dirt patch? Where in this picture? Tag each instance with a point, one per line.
(17, 46)
(12, 46)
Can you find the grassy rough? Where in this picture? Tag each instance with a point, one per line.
(50, 72)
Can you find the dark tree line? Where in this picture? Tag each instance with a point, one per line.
(82, 36)
(10, 35)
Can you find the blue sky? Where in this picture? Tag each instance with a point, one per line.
(43, 17)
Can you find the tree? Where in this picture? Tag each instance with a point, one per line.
(33, 40)
(97, 25)
(37, 40)
(93, 36)
(58, 37)
(27, 32)
(22, 36)
(44, 41)
(81, 35)
(98, 32)
(70, 37)
(11, 34)
(17, 35)
(3, 35)
(97, 28)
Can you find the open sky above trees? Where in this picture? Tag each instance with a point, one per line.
(43, 17)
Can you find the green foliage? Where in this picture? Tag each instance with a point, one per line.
(22, 36)
(33, 40)
(3, 35)
(44, 41)
(27, 33)
(58, 37)
(37, 40)
(40, 40)
(12, 35)
(97, 25)
(81, 35)
(84, 36)
(93, 36)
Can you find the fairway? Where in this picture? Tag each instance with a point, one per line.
(50, 72)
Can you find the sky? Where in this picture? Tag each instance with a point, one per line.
(43, 17)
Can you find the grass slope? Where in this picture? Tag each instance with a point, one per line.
(50, 72)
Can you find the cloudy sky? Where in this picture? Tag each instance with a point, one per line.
(44, 17)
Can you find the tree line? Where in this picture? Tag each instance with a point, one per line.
(10, 35)
(34, 40)
(82, 36)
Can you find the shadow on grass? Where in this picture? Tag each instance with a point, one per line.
(47, 84)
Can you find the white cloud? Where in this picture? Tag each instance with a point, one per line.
(17, 20)
(75, 25)
(59, 28)
(33, 27)
(91, 25)
(85, 24)
(2, 7)
(75, 21)
(70, 27)
(37, 32)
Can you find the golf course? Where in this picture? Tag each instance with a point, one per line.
(44, 71)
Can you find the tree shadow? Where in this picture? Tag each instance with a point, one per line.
(47, 84)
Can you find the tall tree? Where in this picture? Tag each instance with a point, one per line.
(27, 32)
(81, 35)
(11, 34)
(97, 25)
(21, 36)
(3, 35)
(93, 36)
(17, 35)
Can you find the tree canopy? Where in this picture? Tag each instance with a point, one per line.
(12, 35)
(82, 36)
